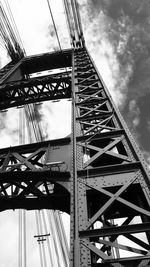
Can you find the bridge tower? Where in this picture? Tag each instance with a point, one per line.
(106, 187)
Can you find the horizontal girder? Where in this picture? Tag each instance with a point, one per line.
(61, 201)
(36, 176)
(34, 90)
(47, 61)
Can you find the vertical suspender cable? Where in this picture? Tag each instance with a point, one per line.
(67, 11)
(48, 242)
(24, 238)
(38, 232)
(41, 233)
(78, 17)
(74, 22)
(49, 7)
(77, 30)
(50, 10)
(60, 238)
(20, 239)
(49, 215)
(14, 25)
(28, 125)
(19, 211)
(22, 213)
(56, 225)
(32, 118)
(60, 222)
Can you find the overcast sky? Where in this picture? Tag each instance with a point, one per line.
(117, 34)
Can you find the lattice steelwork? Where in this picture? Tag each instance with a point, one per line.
(111, 184)
(98, 174)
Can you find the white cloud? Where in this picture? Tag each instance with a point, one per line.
(96, 32)
(134, 112)
(33, 19)
(9, 128)
(57, 118)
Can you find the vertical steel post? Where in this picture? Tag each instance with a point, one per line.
(107, 169)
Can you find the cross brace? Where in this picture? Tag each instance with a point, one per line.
(98, 175)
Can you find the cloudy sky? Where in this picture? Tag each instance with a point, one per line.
(117, 34)
(120, 31)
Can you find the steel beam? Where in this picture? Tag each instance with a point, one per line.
(34, 90)
(108, 169)
(112, 231)
(106, 185)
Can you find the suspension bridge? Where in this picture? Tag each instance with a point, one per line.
(96, 174)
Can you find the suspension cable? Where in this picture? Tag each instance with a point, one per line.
(20, 240)
(60, 222)
(60, 238)
(24, 238)
(66, 9)
(30, 114)
(48, 242)
(49, 7)
(31, 119)
(49, 215)
(57, 233)
(22, 257)
(41, 233)
(38, 232)
(10, 37)
(14, 26)
(9, 33)
(56, 32)
(74, 22)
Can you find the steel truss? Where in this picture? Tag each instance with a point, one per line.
(28, 180)
(6, 69)
(111, 196)
(35, 90)
(106, 191)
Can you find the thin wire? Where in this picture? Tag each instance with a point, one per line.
(50, 10)
(38, 232)
(3, 46)
(66, 8)
(77, 15)
(20, 240)
(60, 238)
(8, 27)
(20, 211)
(28, 126)
(54, 24)
(14, 24)
(59, 217)
(24, 238)
(48, 241)
(49, 215)
(41, 232)
(31, 119)
(10, 34)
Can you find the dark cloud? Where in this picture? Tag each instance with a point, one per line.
(138, 10)
(144, 127)
(128, 29)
